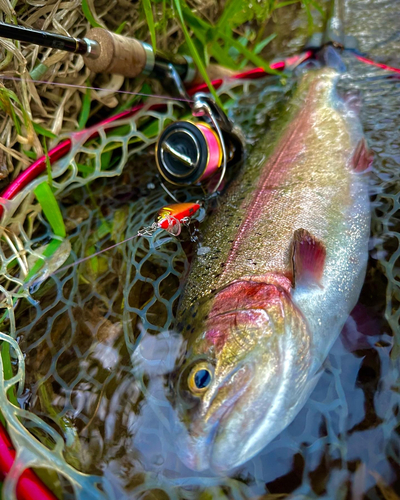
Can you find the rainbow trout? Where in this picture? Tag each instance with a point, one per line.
(280, 268)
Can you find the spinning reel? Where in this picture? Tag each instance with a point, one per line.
(191, 151)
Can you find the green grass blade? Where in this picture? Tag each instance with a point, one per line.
(318, 7)
(85, 169)
(235, 13)
(258, 48)
(51, 210)
(120, 28)
(193, 51)
(85, 110)
(197, 24)
(47, 252)
(89, 16)
(38, 71)
(309, 17)
(30, 154)
(43, 131)
(206, 35)
(48, 164)
(6, 96)
(222, 56)
(255, 59)
(148, 11)
(8, 371)
(284, 4)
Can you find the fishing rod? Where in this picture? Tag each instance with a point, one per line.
(106, 52)
(188, 152)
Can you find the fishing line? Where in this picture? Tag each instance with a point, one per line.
(85, 87)
(145, 231)
(84, 259)
(169, 192)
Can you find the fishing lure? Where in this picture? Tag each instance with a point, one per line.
(171, 217)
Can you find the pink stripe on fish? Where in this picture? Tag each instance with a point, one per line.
(271, 177)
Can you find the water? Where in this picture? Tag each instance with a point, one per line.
(343, 444)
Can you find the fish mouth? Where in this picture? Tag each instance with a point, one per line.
(223, 456)
(198, 444)
(202, 460)
(261, 342)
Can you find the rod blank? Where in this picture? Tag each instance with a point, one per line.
(43, 38)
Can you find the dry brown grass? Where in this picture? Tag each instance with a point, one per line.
(53, 107)
(26, 104)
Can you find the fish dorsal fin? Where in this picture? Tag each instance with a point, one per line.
(308, 258)
(362, 158)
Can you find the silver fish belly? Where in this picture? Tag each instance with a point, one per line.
(285, 266)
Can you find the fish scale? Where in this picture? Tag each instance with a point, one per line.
(261, 209)
(286, 262)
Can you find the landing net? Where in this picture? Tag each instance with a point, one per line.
(72, 334)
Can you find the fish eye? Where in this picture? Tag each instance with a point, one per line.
(200, 378)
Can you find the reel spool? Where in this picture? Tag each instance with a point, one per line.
(188, 152)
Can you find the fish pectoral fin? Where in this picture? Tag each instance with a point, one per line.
(362, 157)
(308, 258)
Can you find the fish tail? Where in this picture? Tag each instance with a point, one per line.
(326, 57)
(330, 57)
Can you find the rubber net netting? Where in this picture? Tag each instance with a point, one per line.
(95, 427)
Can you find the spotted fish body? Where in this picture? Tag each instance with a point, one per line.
(280, 268)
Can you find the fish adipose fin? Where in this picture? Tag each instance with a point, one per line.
(362, 158)
(308, 258)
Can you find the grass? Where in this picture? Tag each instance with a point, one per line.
(233, 33)
(51, 210)
(194, 52)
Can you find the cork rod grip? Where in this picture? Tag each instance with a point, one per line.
(118, 54)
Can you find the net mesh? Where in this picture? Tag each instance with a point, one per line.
(77, 329)
(85, 417)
